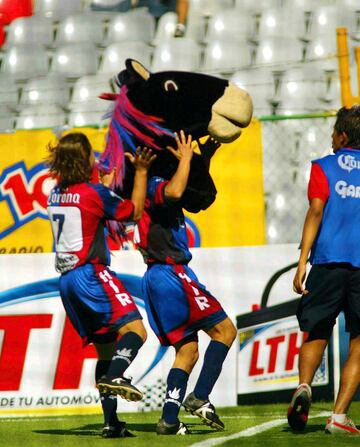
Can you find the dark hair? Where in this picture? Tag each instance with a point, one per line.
(348, 121)
(69, 160)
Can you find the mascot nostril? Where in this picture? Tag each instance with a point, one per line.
(151, 107)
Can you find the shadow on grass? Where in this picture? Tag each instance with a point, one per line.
(95, 430)
(311, 428)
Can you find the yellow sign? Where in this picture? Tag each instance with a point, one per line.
(236, 218)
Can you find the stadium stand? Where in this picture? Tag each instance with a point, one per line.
(22, 62)
(226, 56)
(7, 119)
(136, 25)
(88, 114)
(8, 92)
(229, 38)
(84, 27)
(234, 24)
(88, 88)
(177, 54)
(57, 9)
(50, 89)
(114, 56)
(41, 116)
(75, 60)
(30, 30)
(165, 27)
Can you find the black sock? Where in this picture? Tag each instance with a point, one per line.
(125, 352)
(175, 393)
(108, 401)
(214, 358)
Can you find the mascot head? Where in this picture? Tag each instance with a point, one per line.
(150, 107)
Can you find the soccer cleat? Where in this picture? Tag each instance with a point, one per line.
(163, 428)
(298, 410)
(204, 410)
(347, 427)
(117, 431)
(121, 386)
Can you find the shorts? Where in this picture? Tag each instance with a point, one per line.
(332, 288)
(177, 305)
(96, 302)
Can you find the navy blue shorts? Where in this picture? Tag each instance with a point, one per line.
(332, 288)
(96, 302)
(177, 305)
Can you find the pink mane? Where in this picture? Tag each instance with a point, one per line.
(129, 128)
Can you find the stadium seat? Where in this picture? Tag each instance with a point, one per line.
(196, 24)
(7, 120)
(258, 6)
(325, 20)
(177, 54)
(279, 52)
(8, 92)
(226, 56)
(30, 30)
(88, 114)
(88, 88)
(209, 7)
(300, 93)
(51, 89)
(260, 84)
(75, 60)
(281, 22)
(135, 25)
(230, 24)
(85, 27)
(57, 9)
(25, 61)
(165, 27)
(114, 56)
(321, 52)
(41, 116)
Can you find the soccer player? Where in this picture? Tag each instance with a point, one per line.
(97, 303)
(177, 304)
(331, 233)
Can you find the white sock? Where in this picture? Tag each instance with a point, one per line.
(340, 418)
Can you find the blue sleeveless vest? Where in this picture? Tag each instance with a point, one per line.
(338, 238)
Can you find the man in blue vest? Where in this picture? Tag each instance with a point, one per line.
(332, 234)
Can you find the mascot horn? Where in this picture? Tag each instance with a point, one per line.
(151, 107)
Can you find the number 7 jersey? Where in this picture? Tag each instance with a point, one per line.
(77, 215)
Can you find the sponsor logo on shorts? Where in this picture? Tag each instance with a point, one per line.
(348, 162)
(344, 190)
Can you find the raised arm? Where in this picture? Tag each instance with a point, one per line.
(141, 162)
(184, 152)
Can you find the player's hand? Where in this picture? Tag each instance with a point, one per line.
(108, 179)
(184, 150)
(142, 159)
(299, 279)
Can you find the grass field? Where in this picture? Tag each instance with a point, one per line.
(257, 425)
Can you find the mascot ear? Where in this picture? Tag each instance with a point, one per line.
(135, 72)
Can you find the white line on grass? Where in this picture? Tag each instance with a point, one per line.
(251, 431)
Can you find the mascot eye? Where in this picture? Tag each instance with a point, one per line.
(170, 86)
